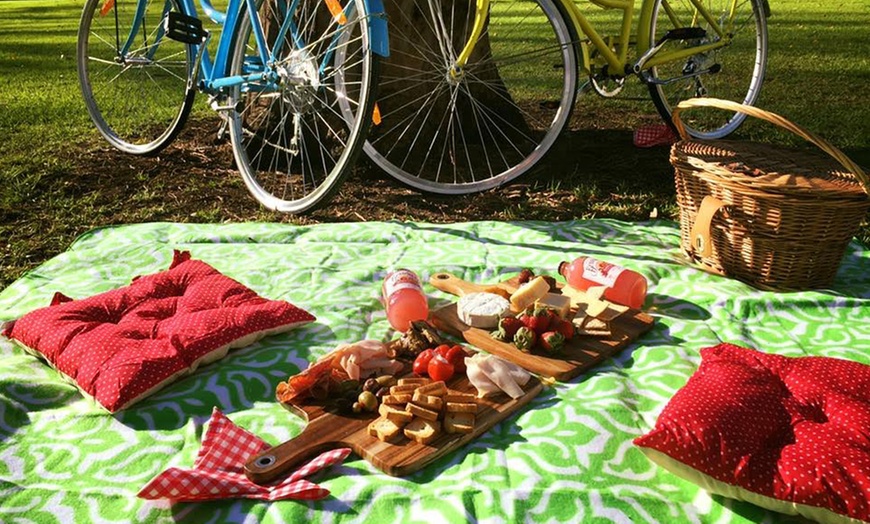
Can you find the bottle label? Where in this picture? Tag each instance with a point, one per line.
(401, 279)
(602, 273)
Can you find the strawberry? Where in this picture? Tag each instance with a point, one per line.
(564, 328)
(552, 341)
(525, 339)
(509, 325)
(538, 320)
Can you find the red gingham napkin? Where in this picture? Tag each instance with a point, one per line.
(218, 471)
(654, 135)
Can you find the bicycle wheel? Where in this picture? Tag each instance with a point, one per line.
(740, 65)
(449, 134)
(292, 142)
(132, 77)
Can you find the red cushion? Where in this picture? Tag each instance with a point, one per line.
(122, 345)
(795, 431)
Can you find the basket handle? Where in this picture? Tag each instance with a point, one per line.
(809, 136)
(700, 235)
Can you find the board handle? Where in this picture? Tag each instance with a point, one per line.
(275, 461)
(450, 283)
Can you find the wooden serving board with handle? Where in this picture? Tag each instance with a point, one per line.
(327, 430)
(578, 355)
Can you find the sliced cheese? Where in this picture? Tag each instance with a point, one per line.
(528, 293)
(558, 303)
(482, 310)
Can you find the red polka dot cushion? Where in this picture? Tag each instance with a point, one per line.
(788, 434)
(125, 344)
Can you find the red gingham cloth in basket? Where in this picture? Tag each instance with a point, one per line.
(654, 135)
(218, 471)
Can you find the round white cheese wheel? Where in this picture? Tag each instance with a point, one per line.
(482, 310)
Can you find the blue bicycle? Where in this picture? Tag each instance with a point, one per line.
(293, 80)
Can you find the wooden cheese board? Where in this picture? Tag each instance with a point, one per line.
(328, 430)
(578, 355)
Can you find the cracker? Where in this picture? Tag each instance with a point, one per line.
(438, 389)
(459, 423)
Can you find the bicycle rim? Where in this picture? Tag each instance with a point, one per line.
(138, 99)
(742, 64)
(292, 142)
(455, 135)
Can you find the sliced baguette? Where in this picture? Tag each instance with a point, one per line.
(459, 422)
(384, 429)
(461, 407)
(422, 430)
(420, 411)
(399, 416)
(427, 401)
(437, 389)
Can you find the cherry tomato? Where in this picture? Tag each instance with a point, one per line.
(442, 350)
(440, 368)
(421, 363)
(456, 356)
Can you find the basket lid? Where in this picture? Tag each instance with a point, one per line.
(776, 169)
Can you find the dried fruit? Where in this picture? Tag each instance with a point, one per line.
(525, 275)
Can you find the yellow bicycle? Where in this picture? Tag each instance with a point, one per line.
(472, 97)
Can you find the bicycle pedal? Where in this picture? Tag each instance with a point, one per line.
(685, 33)
(184, 28)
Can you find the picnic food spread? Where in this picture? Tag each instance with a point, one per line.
(563, 448)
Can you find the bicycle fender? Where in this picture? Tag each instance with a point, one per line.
(380, 42)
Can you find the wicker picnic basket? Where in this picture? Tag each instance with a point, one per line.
(775, 218)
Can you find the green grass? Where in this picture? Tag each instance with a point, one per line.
(819, 70)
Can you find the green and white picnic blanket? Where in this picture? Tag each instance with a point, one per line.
(567, 457)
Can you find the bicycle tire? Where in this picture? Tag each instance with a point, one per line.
(440, 134)
(743, 64)
(139, 102)
(293, 146)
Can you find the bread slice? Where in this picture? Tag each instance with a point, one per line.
(384, 429)
(420, 411)
(456, 396)
(399, 416)
(396, 400)
(422, 430)
(413, 380)
(461, 407)
(405, 388)
(459, 422)
(437, 389)
(427, 401)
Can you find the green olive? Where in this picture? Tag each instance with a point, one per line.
(368, 401)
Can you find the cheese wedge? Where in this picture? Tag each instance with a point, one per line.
(561, 304)
(528, 293)
(482, 310)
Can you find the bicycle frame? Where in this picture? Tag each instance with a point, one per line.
(214, 76)
(616, 61)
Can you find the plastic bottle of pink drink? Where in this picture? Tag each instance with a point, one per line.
(404, 299)
(623, 286)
